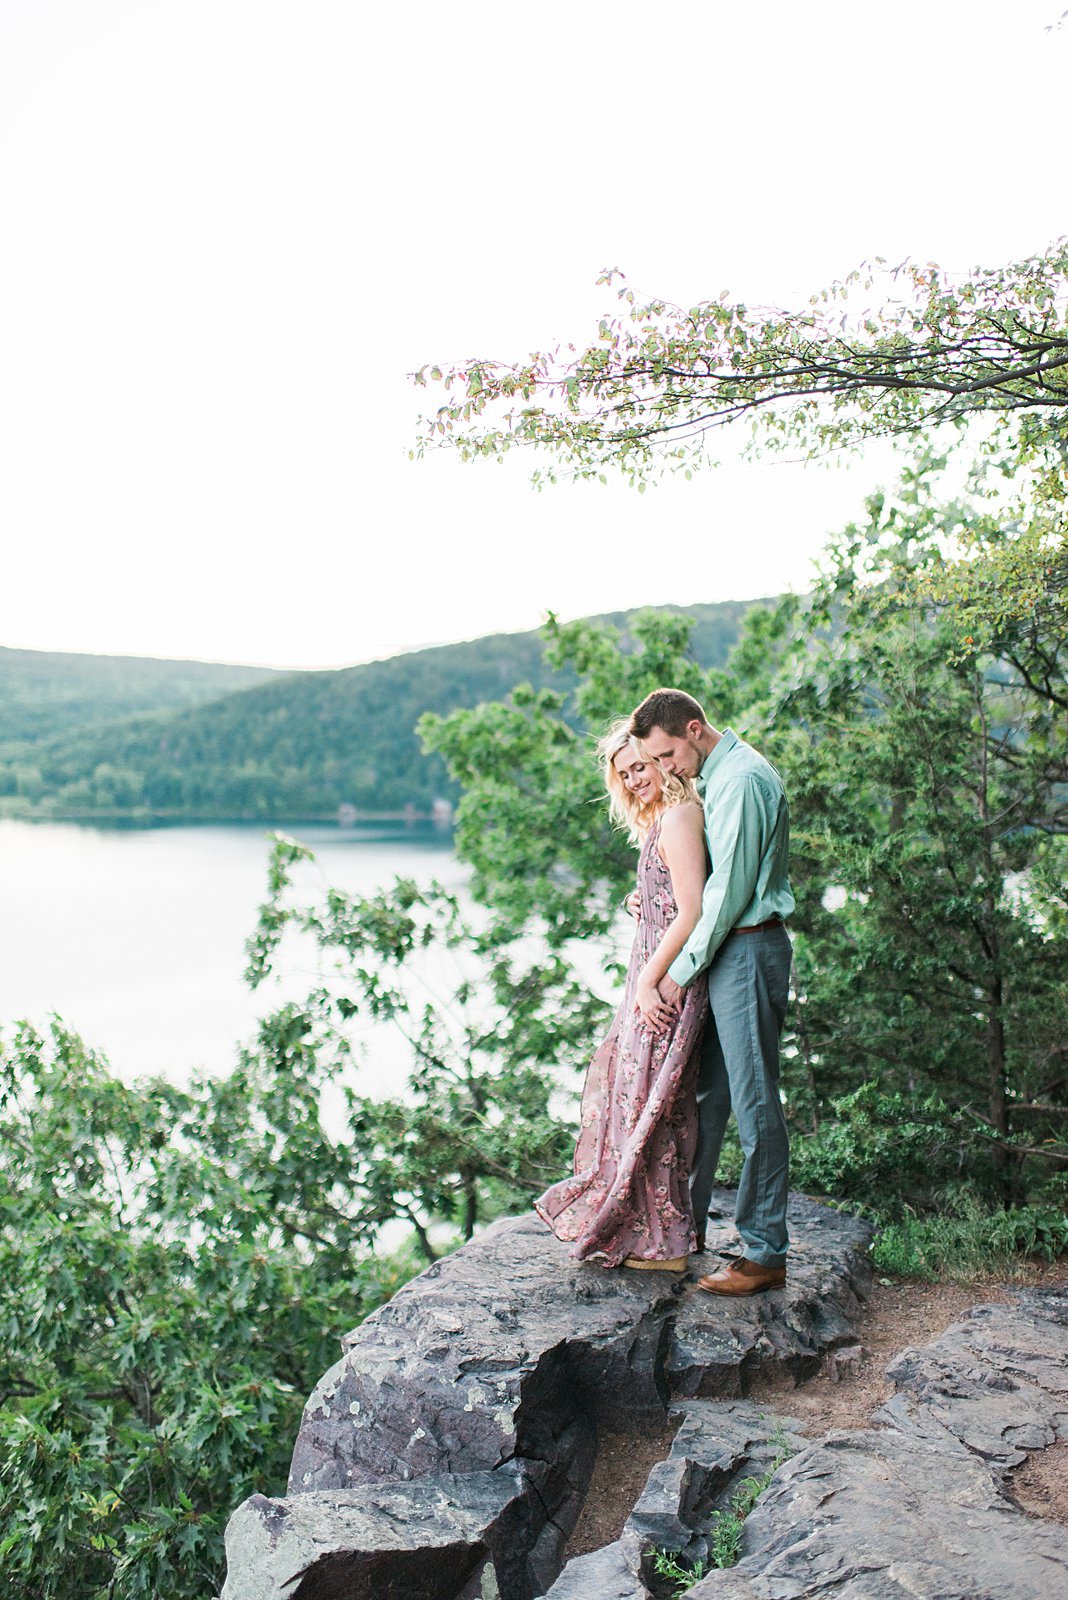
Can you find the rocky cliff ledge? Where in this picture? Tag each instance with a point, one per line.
(447, 1454)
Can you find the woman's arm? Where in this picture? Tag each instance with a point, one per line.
(682, 845)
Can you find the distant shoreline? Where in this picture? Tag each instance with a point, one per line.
(153, 819)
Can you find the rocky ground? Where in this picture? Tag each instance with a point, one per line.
(895, 1316)
(515, 1424)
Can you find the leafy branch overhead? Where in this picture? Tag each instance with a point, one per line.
(886, 351)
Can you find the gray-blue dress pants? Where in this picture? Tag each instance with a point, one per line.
(748, 988)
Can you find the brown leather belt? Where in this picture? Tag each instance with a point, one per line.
(758, 927)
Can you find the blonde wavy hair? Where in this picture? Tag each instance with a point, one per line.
(625, 809)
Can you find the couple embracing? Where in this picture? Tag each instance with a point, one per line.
(697, 1032)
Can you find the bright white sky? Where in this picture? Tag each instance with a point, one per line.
(231, 227)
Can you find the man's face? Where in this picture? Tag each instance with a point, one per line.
(677, 753)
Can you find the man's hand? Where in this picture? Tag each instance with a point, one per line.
(671, 993)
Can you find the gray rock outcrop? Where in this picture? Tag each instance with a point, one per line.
(503, 1361)
(920, 1508)
(492, 1353)
(410, 1541)
(716, 1344)
(879, 1515)
(996, 1381)
(603, 1573)
(448, 1453)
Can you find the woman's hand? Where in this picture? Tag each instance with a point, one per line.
(633, 904)
(654, 1009)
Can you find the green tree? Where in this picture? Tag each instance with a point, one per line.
(176, 1270)
(930, 790)
(927, 778)
(493, 1035)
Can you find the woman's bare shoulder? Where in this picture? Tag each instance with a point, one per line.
(687, 817)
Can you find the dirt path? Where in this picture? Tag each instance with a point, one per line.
(898, 1314)
(623, 1464)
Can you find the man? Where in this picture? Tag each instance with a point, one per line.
(741, 948)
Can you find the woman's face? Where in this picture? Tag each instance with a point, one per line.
(638, 775)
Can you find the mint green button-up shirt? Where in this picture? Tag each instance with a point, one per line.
(747, 830)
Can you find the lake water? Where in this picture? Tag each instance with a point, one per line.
(136, 937)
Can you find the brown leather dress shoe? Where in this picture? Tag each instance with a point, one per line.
(740, 1276)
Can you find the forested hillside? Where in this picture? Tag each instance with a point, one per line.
(44, 694)
(300, 745)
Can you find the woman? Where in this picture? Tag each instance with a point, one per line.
(628, 1202)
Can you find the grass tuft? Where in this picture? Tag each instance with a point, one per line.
(725, 1530)
(973, 1244)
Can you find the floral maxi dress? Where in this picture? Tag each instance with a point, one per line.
(630, 1193)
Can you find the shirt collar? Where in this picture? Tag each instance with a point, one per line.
(727, 742)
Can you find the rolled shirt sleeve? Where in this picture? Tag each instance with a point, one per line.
(738, 824)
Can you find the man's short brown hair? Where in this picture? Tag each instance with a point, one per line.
(669, 709)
